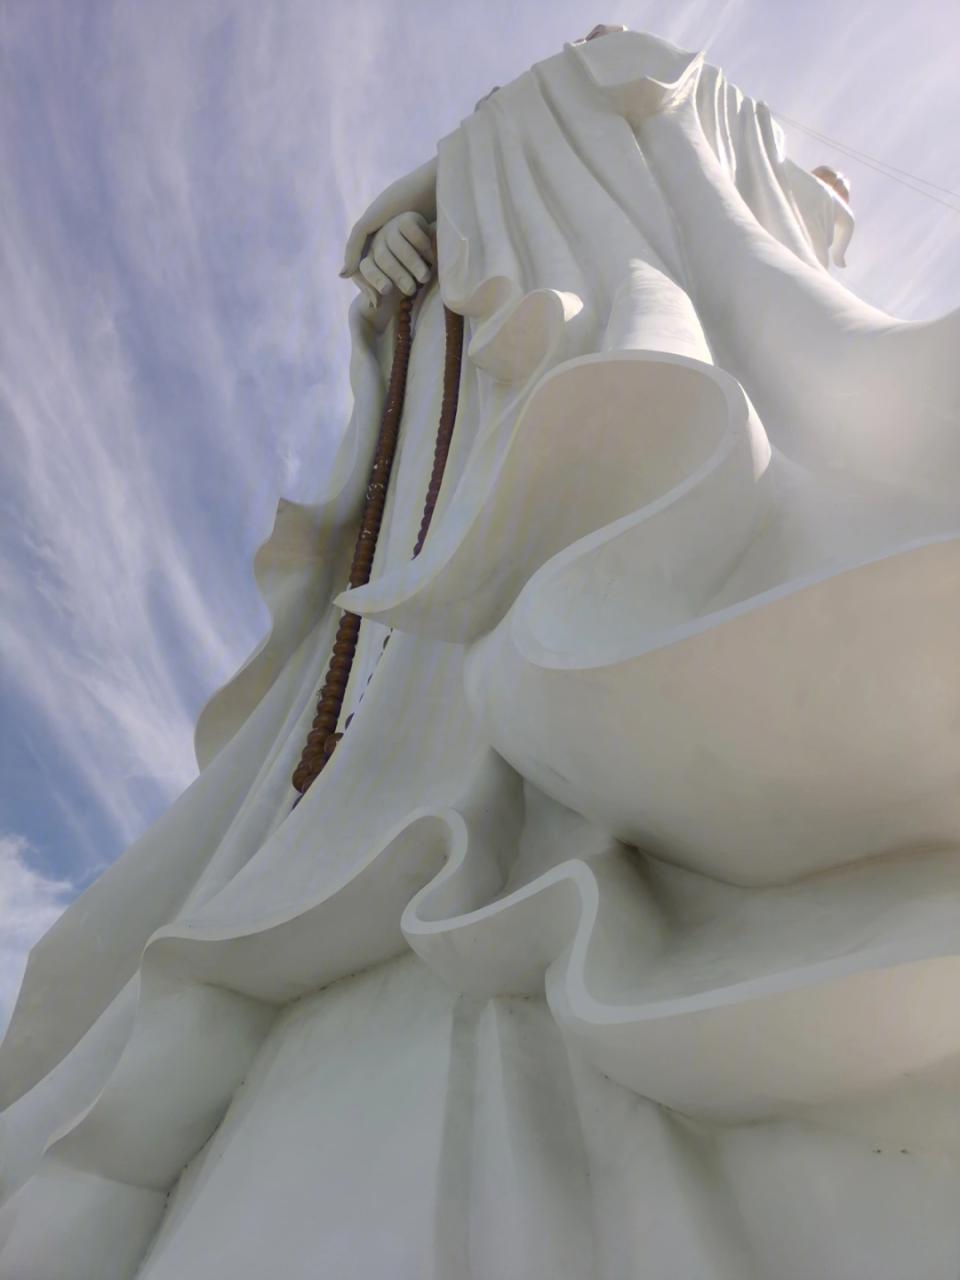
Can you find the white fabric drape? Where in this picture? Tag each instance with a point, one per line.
(576, 960)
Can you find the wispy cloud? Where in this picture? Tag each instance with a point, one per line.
(178, 181)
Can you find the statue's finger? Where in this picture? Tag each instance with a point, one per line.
(373, 275)
(392, 267)
(370, 295)
(354, 250)
(407, 254)
(414, 230)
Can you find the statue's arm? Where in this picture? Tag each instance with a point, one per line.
(390, 242)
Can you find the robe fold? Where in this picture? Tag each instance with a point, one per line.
(580, 958)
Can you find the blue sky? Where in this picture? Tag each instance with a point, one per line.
(179, 177)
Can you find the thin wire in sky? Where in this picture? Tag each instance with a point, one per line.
(906, 179)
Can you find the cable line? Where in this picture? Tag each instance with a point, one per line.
(902, 176)
(947, 191)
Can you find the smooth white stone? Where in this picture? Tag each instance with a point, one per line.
(692, 585)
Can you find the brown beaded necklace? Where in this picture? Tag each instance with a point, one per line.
(323, 736)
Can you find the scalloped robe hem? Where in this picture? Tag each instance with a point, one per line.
(620, 937)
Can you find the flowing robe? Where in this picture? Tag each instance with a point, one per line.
(577, 960)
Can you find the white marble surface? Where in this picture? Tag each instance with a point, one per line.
(621, 935)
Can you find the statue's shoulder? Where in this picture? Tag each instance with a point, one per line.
(640, 72)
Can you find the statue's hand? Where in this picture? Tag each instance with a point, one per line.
(399, 255)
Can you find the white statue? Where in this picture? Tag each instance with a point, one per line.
(620, 935)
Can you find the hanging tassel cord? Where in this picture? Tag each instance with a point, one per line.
(323, 736)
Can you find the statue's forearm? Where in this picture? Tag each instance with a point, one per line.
(415, 192)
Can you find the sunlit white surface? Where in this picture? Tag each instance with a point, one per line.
(689, 587)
